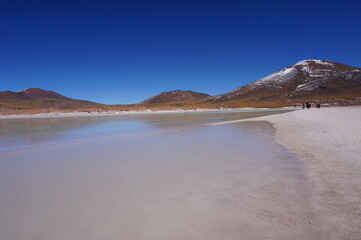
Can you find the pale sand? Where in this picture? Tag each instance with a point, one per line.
(328, 141)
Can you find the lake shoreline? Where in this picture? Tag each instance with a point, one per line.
(163, 179)
(140, 112)
(328, 142)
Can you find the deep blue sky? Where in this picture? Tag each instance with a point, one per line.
(125, 51)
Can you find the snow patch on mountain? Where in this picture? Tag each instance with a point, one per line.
(288, 73)
(307, 62)
(308, 86)
(276, 75)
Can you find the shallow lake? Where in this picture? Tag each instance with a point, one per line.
(155, 176)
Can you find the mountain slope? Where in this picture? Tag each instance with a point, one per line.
(175, 96)
(307, 79)
(9, 96)
(34, 98)
(38, 93)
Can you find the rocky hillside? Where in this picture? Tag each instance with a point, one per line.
(175, 96)
(9, 96)
(37, 93)
(307, 79)
(32, 98)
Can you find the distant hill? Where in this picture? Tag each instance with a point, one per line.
(33, 98)
(175, 96)
(307, 79)
(9, 96)
(38, 93)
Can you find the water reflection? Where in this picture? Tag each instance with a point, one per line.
(25, 132)
(217, 182)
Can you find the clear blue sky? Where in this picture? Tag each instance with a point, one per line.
(124, 51)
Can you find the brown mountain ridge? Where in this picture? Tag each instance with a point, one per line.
(307, 80)
(37, 93)
(36, 98)
(175, 96)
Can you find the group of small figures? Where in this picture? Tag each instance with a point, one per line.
(308, 105)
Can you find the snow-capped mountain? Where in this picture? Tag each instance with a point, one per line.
(311, 78)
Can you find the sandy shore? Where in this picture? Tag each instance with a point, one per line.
(328, 141)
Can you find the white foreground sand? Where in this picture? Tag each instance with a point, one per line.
(328, 141)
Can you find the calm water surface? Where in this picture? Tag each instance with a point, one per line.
(20, 133)
(164, 176)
